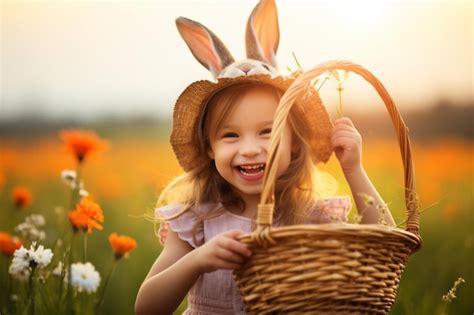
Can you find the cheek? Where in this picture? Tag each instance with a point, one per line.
(287, 139)
(287, 147)
(222, 154)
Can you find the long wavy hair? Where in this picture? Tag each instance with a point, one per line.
(298, 191)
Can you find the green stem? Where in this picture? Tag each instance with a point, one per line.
(68, 269)
(7, 287)
(84, 256)
(78, 179)
(81, 303)
(443, 311)
(339, 109)
(72, 201)
(75, 192)
(101, 298)
(64, 267)
(294, 56)
(325, 79)
(31, 293)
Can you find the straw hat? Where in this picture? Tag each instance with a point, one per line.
(262, 37)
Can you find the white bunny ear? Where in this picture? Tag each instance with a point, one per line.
(262, 35)
(206, 47)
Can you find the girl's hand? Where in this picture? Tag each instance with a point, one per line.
(347, 144)
(223, 251)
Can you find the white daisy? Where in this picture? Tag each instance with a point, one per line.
(23, 228)
(29, 228)
(20, 266)
(42, 256)
(84, 277)
(36, 219)
(22, 253)
(25, 259)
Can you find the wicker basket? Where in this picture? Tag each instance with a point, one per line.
(326, 268)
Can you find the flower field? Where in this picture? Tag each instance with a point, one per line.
(75, 231)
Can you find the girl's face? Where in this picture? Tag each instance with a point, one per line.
(239, 144)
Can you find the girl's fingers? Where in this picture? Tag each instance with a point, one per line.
(240, 248)
(343, 134)
(229, 256)
(344, 120)
(235, 246)
(231, 266)
(233, 233)
(343, 126)
(342, 142)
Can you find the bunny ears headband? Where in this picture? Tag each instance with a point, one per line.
(262, 38)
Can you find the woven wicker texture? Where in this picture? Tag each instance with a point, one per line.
(330, 268)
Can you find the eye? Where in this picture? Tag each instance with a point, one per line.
(265, 66)
(266, 130)
(230, 135)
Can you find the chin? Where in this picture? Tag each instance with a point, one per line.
(247, 191)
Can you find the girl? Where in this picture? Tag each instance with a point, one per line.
(220, 136)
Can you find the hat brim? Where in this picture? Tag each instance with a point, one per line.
(192, 101)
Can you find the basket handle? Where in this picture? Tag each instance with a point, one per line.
(299, 86)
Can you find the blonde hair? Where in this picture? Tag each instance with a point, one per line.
(298, 191)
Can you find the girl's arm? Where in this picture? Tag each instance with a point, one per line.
(172, 275)
(361, 185)
(179, 266)
(347, 144)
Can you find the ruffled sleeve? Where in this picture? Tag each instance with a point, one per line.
(182, 225)
(335, 209)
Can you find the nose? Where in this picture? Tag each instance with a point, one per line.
(249, 148)
(246, 67)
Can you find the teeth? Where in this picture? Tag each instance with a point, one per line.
(252, 167)
(253, 174)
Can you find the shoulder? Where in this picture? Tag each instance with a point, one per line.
(169, 211)
(182, 220)
(180, 212)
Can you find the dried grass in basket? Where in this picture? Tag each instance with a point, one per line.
(328, 268)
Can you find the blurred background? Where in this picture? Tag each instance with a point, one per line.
(117, 67)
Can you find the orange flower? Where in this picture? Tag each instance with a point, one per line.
(121, 244)
(82, 143)
(21, 196)
(8, 244)
(86, 215)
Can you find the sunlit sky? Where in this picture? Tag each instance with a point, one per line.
(92, 58)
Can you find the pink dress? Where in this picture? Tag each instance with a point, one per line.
(216, 292)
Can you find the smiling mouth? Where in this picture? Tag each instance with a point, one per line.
(251, 170)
